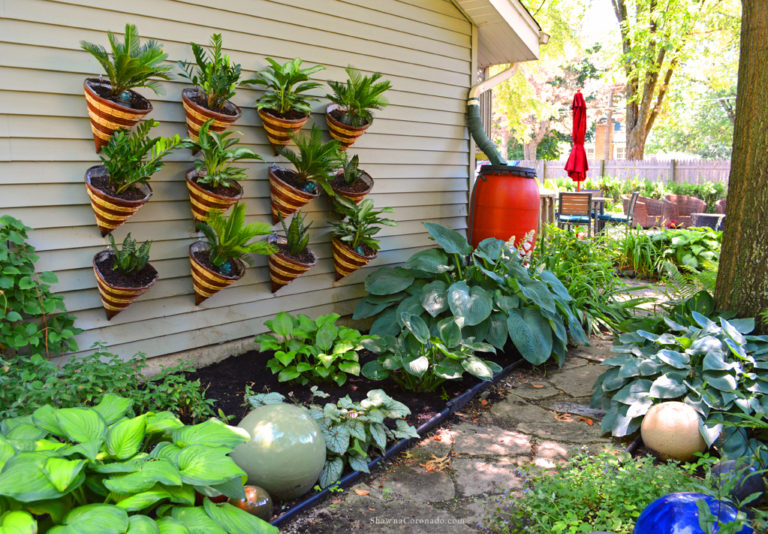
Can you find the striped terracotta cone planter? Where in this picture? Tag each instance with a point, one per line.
(345, 260)
(107, 116)
(207, 282)
(116, 298)
(279, 129)
(286, 199)
(197, 115)
(346, 135)
(284, 269)
(112, 211)
(203, 201)
(356, 197)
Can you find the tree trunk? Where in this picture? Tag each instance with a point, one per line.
(742, 281)
(529, 150)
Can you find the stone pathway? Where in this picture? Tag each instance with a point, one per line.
(442, 485)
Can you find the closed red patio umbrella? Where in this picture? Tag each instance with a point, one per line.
(577, 165)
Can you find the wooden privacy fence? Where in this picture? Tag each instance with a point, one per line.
(692, 171)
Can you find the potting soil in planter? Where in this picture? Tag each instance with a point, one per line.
(204, 257)
(119, 279)
(100, 180)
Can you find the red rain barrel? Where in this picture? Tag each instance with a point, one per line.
(505, 203)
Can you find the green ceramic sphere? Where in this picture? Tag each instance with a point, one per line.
(286, 452)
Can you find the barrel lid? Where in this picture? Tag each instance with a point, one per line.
(525, 172)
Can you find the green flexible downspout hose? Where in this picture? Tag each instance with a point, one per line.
(475, 124)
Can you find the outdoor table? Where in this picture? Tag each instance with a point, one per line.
(598, 208)
(710, 220)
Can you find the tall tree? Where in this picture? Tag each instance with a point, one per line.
(656, 36)
(742, 280)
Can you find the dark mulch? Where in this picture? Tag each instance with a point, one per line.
(291, 115)
(230, 191)
(204, 257)
(100, 180)
(290, 178)
(118, 278)
(339, 116)
(201, 100)
(104, 90)
(338, 183)
(306, 256)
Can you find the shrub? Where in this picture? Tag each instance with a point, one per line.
(689, 249)
(29, 323)
(605, 492)
(94, 469)
(351, 429)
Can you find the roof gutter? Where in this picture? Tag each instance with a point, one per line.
(475, 123)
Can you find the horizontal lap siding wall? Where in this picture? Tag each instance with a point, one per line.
(417, 148)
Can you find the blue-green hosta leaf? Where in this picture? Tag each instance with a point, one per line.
(471, 305)
(143, 500)
(736, 348)
(538, 293)
(373, 370)
(386, 324)
(111, 408)
(497, 330)
(477, 367)
(491, 249)
(556, 285)
(374, 305)
(81, 424)
(506, 302)
(17, 522)
(632, 392)
(745, 326)
(162, 422)
(449, 240)
(531, 334)
(733, 442)
(639, 408)
(141, 524)
(196, 520)
(649, 367)
(125, 437)
(97, 519)
(151, 472)
(206, 466)
(417, 326)
(23, 478)
(358, 463)
(64, 474)
(702, 320)
(211, 433)
(650, 336)
(732, 332)
(618, 361)
(715, 361)
(416, 366)
(667, 387)
(431, 261)
(379, 435)
(331, 472)
(236, 521)
(449, 332)
(434, 298)
(722, 381)
(706, 344)
(410, 304)
(611, 380)
(631, 368)
(448, 369)
(678, 360)
(388, 280)
(617, 422)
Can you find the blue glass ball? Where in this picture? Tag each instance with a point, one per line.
(750, 481)
(310, 187)
(677, 513)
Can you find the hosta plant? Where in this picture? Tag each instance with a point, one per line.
(130, 257)
(309, 349)
(457, 298)
(71, 470)
(690, 249)
(219, 155)
(352, 430)
(716, 366)
(286, 86)
(213, 72)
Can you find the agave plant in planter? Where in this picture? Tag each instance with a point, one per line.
(293, 257)
(216, 79)
(350, 181)
(119, 187)
(349, 115)
(353, 242)
(213, 183)
(123, 274)
(284, 108)
(218, 261)
(113, 105)
(314, 162)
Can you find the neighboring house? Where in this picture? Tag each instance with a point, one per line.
(418, 149)
(616, 137)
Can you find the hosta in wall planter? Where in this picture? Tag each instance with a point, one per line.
(279, 128)
(197, 114)
(346, 261)
(107, 115)
(203, 200)
(355, 192)
(345, 134)
(284, 268)
(118, 291)
(206, 279)
(112, 210)
(286, 198)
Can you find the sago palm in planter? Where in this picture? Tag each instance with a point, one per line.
(314, 162)
(293, 257)
(213, 183)
(119, 187)
(112, 104)
(216, 79)
(284, 108)
(349, 115)
(353, 242)
(218, 261)
(123, 274)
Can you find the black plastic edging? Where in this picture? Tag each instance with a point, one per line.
(453, 406)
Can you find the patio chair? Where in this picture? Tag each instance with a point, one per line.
(629, 204)
(720, 206)
(575, 209)
(650, 212)
(684, 207)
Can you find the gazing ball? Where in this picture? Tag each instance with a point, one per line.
(750, 481)
(286, 452)
(256, 502)
(677, 513)
(671, 429)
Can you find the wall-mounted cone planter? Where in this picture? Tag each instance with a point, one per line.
(346, 135)
(203, 200)
(197, 114)
(284, 268)
(357, 192)
(279, 129)
(112, 211)
(115, 297)
(107, 116)
(345, 260)
(206, 281)
(286, 199)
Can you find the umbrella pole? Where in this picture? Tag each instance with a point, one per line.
(578, 186)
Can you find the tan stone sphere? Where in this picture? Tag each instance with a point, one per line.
(671, 429)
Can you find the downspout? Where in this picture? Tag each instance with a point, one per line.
(475, 123)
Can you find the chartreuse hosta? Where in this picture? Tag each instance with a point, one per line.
(99, 470)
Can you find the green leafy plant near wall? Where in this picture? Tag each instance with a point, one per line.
(351, 429)
(213, 72)
(450, 302)
(29, 322)
(74, 470)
